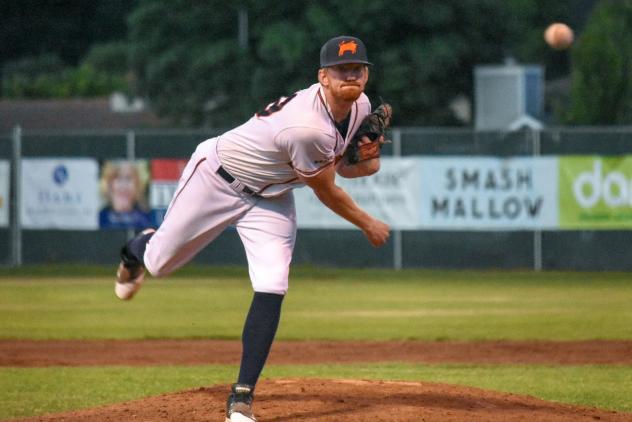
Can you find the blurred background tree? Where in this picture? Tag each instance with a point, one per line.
(189, 63)
(216, 63)
(47, 48)
(47, 76)
(601, 91)
(67, 28)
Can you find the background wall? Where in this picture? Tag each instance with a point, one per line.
(570, 249)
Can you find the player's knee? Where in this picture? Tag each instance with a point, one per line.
(270, 281)
(277, 290)
(157, 262)
(157, 268)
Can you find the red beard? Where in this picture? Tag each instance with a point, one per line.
(350, 92)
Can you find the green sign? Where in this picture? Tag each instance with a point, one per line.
(595, 192)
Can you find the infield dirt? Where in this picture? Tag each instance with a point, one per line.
(37, 353)
(327, 400)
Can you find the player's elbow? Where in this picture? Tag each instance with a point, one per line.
(368, 167)
(372, 166)
(346, 171)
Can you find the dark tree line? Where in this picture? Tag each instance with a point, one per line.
(215, 63)
(66, 28)
(601, 90)
(188, 60)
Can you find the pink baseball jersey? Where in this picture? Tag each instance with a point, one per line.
(293, 136)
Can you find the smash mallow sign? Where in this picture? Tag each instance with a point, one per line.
(489, 193)
(595, 192)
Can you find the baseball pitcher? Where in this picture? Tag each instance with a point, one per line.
(245, 178)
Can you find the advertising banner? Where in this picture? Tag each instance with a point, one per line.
(123, 188)
(5, 178)
(165, 174)
(392, 195)
(60, 193)
(489, 193)
(595, 192)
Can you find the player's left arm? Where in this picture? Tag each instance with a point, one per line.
(362, 155)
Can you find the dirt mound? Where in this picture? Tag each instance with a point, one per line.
(336, 400)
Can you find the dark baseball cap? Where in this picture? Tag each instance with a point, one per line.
(342, 50)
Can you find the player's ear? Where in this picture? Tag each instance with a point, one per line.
(322, 77)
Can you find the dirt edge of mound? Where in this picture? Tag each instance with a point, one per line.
(349, 400)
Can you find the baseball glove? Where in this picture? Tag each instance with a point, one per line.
(374, 127)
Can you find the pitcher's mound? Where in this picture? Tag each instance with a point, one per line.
(344, 400)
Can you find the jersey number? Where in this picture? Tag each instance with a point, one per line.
(275, 106)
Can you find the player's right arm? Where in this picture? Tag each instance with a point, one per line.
(324, 186)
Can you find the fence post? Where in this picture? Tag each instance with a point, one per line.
(130, 142)
(537, 234)
(131, 145)
(397, 142)
(16, 205)
(397, 234)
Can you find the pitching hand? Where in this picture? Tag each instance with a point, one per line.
(376, 232)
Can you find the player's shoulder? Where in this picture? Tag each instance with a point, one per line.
(306, 132)
(307, 100)
(304, 113)
(306, 122)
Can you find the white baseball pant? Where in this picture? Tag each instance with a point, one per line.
(204, 205)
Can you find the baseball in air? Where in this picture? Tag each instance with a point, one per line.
(559, 36)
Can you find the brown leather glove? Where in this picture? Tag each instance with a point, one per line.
(374, 127)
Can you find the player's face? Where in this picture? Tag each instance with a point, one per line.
(346, 81)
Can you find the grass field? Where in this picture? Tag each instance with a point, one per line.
(78, 303)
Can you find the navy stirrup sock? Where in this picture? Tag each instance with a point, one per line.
(259, 330)
(133, 252)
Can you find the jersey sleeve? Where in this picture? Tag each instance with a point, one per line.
(309, 150)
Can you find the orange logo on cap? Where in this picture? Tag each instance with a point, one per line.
(345, 46)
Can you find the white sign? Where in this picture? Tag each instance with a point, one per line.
(161, 192)
(5, 177)
(60, 194)
(483, 193)
(391, 195)
(165, 175)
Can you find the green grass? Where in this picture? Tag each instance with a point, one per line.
(32, 391)
(78, 303)
(325, 304)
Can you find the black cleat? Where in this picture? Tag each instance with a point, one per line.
(239, 404)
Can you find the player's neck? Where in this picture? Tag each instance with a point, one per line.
(339, 108)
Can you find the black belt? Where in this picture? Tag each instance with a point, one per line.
(234, 183)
